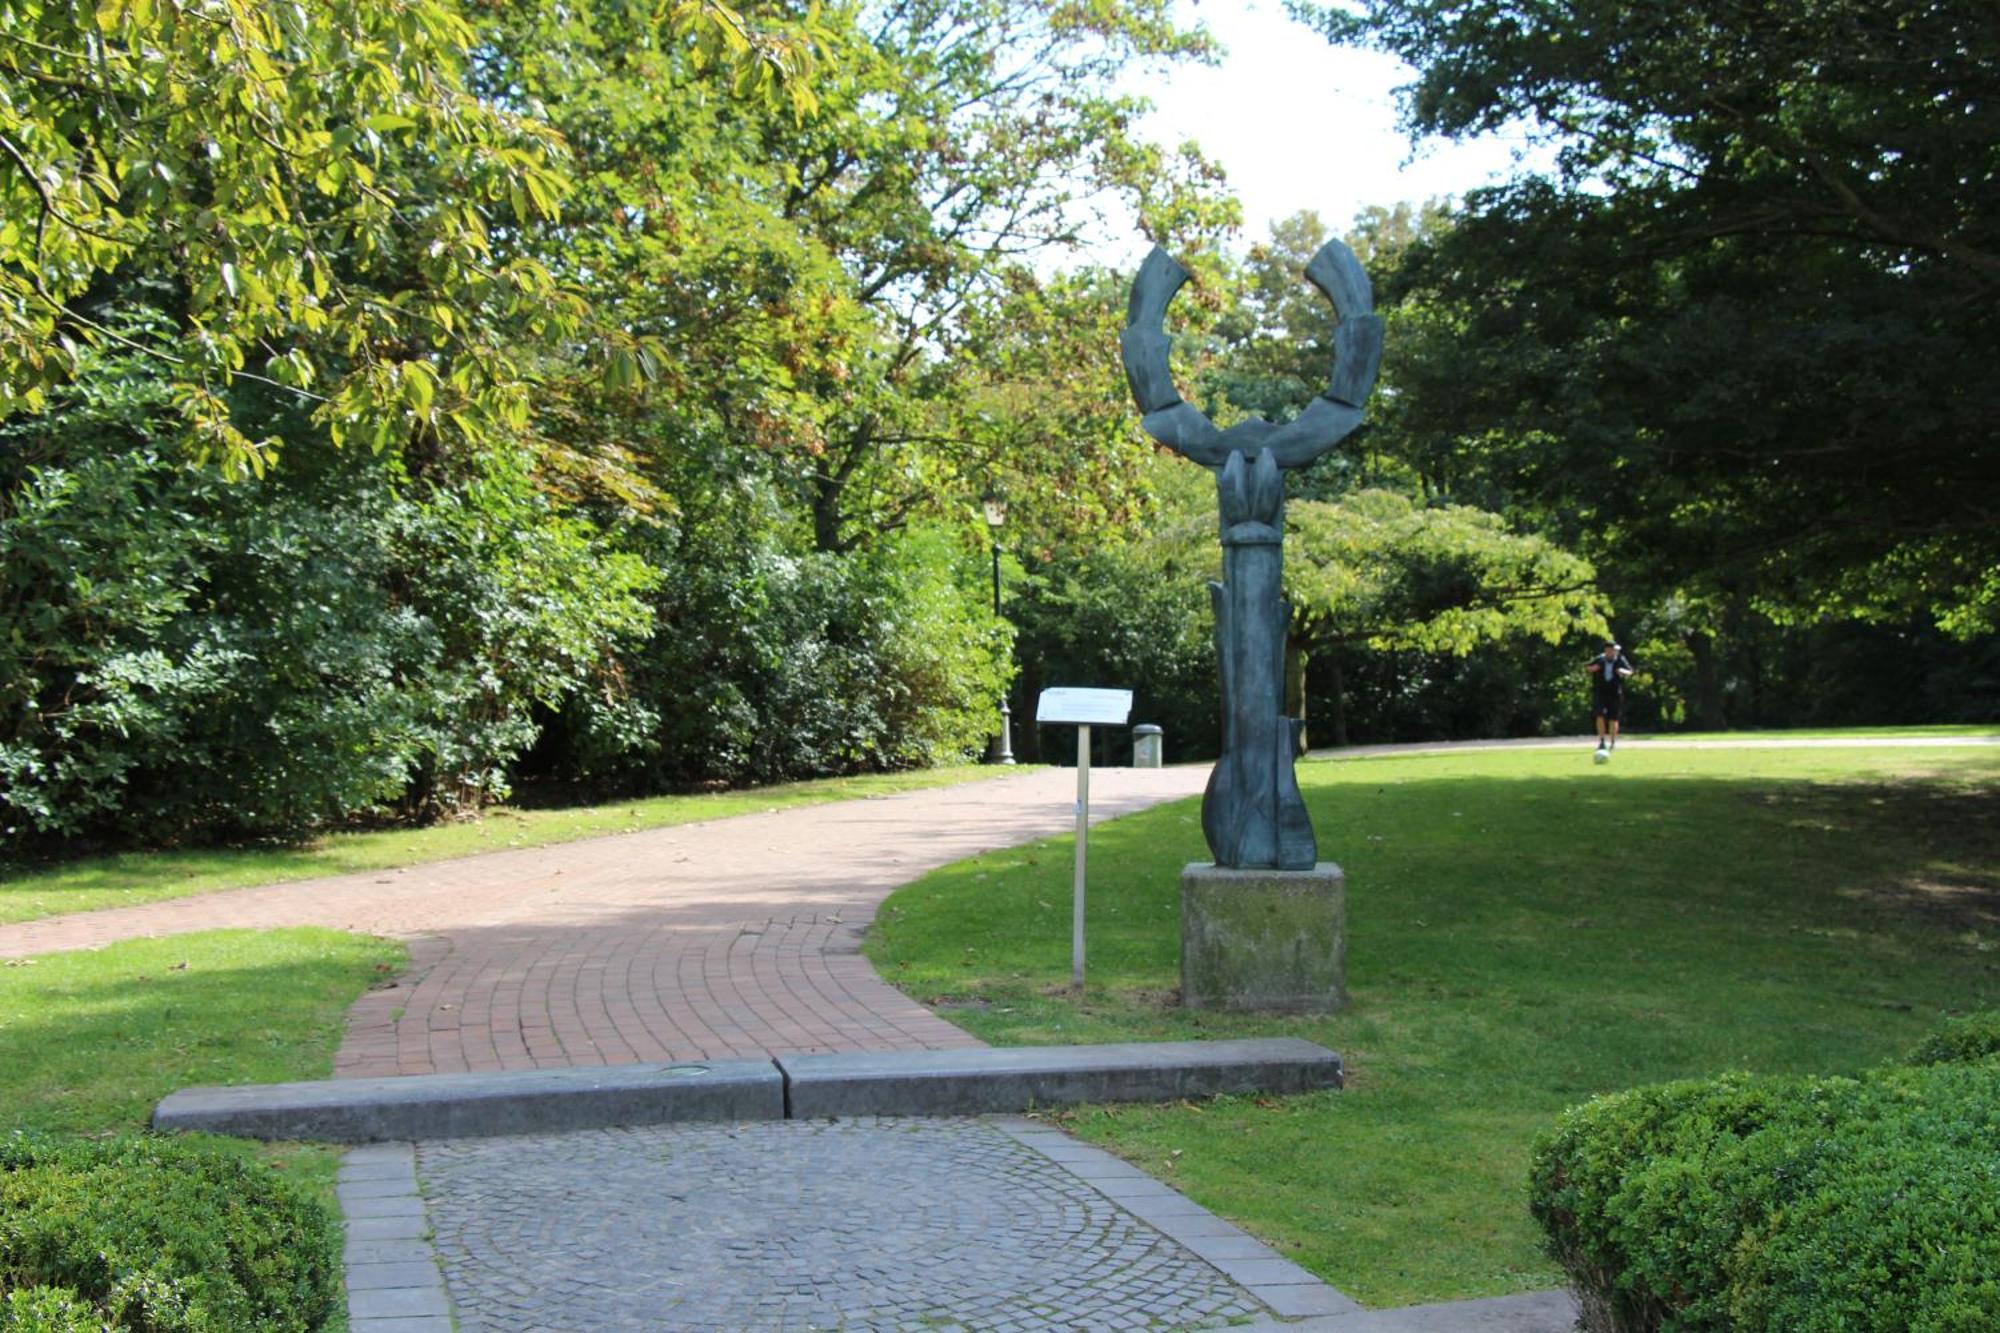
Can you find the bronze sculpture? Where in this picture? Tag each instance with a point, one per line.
(1252, 814)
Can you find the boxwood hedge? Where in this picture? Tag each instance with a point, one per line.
(1961, 1040)
(157, 1234)
(1795, 1204)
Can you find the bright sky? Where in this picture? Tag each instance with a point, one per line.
(1299, 124)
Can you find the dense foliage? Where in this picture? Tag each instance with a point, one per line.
(405, 400)
(1781, 1203)
(183, 655)
(1731, 344)
(161, 1235)
(400, 401)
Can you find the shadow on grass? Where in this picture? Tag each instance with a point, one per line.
(90, 1040)
(1957, 885)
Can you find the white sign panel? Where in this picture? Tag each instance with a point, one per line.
(1084, 708)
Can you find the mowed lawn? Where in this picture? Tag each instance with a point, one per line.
(91, 1039)
(1526, 930)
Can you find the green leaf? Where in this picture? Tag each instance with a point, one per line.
(419, 386)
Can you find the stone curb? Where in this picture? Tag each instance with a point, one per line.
(444, 1106)
(1300, 1302)
(1279, 1284)
(990, 1080)
(1530, 1312)
(394, 1284)
(966, 1082)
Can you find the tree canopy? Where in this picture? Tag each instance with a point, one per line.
(680, 340)
(306, 195)
(1735, 341)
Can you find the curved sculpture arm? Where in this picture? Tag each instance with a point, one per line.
(1330, 418)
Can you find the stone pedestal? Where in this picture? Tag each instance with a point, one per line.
(1270, 940)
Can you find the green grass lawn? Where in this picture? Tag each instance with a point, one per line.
(90, 1040)
(1940, 730)
(1526, 930)
(138, 877)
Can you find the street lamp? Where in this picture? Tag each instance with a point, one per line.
(1001, 751)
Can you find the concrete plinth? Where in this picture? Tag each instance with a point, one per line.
(1268, 940)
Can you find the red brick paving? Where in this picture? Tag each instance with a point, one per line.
(736, 938)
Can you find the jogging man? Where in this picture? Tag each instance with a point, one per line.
(1608, 671)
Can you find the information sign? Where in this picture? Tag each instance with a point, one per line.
(1086, 708)
(1082, 709)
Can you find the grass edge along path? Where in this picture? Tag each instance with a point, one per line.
(91, 1039)
(1526, 930)
(1930, 731)
(125, 879)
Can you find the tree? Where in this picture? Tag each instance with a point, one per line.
(962, 142)
(184, 658)
(1269, 351)
(308, 191)
(1374, 570)
(1734, 345)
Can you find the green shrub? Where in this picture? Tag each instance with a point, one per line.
(183, 659)
(46, 1310)
(161, 1235)
(1959, 1041)
(770, 664)
(1793, 1204)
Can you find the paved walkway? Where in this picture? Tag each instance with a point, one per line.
(736, 938)
(847, 1224)
(1001, 1224)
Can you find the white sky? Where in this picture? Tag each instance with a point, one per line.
(1300, 124)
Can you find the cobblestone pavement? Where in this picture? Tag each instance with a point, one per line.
(849, 1224)
(732, 939)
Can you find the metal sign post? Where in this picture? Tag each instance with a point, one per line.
(1082, 709)
(1082, 852)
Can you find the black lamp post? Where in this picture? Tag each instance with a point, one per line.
(1001, 751)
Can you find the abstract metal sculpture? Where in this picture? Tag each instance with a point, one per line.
(1252, 814)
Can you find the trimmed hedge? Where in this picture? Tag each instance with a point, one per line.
(161, 1235)
(1794, 1204)
(1960, 1041)
(46, 1310)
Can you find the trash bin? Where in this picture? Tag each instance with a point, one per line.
(1146, 746)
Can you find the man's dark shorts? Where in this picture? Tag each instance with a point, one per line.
(1608, 704)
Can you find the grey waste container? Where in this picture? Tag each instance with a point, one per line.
(1146, 746)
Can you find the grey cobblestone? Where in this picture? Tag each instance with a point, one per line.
(844, 1225)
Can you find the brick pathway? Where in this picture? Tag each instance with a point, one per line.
(730, 939)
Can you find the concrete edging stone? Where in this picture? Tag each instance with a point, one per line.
(958, 1082)
(444, 1106)
(989, 1080)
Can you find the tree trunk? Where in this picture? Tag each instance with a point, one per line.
(1706, 713)
(1339, 699)
(826, 515)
